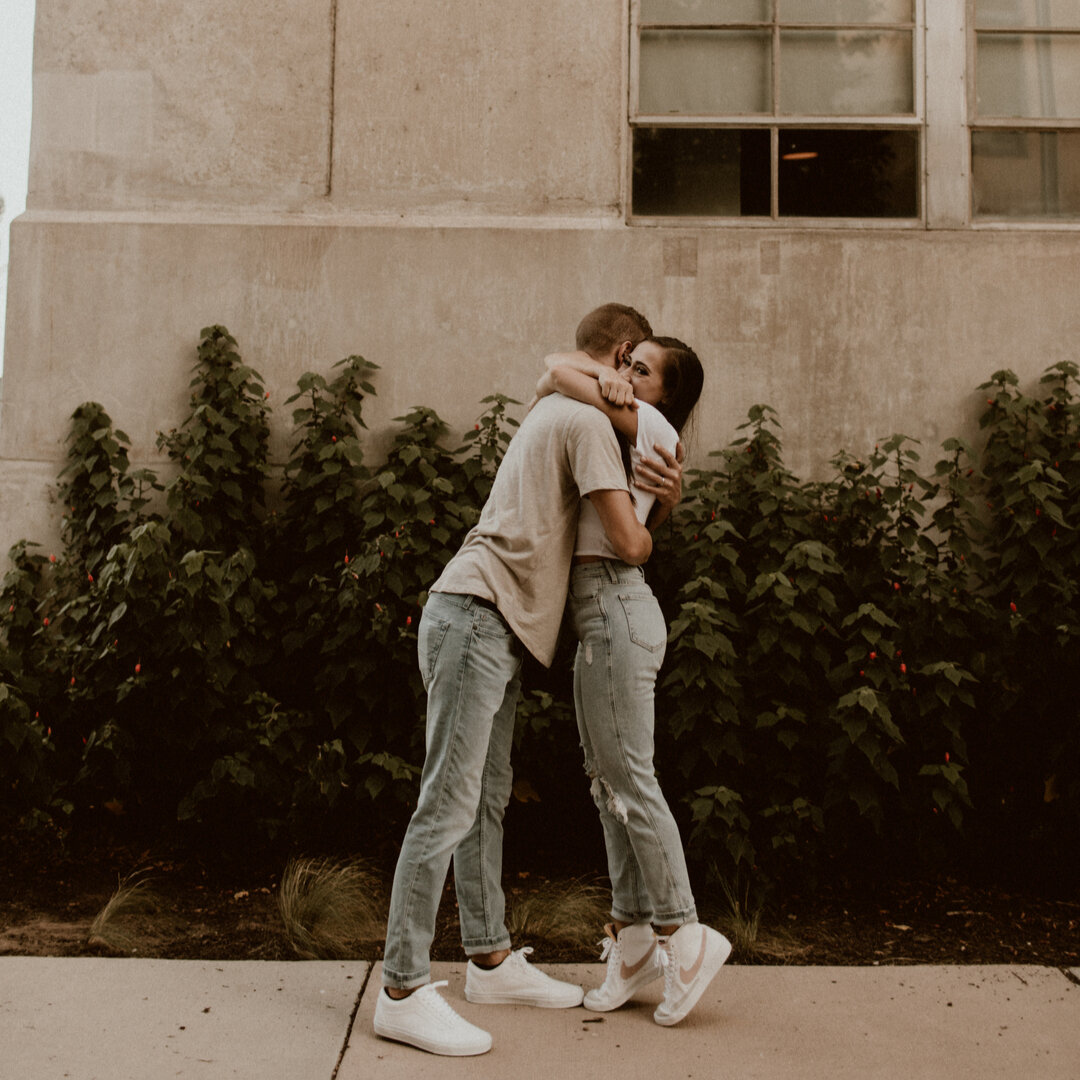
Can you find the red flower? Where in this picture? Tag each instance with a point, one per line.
(45, 621)
(408, 620)
(333, 438)
(72, 680)
(896, 586)
(476, 427)
(138, 668)
(903, 669)
(346, 558)
(52, 558)
(946, 755)
(873, 656)
(1012, 607)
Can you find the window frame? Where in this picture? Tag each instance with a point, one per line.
(975, 123)
(775, 122)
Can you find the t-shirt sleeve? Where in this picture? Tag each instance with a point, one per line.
(593, 451)
(653, 427)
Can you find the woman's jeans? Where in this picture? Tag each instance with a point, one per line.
(622, 638)
(470, 662)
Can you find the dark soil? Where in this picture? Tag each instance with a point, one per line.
(48, 899)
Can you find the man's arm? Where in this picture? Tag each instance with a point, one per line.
(630, 539)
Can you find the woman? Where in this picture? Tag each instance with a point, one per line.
(622, 638)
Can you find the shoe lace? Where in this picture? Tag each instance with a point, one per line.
(667, 962)
(437, 1001)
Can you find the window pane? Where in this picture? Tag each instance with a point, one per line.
(705, 172)
(692, 12)
(1027, 75)
(849, 174)
(1060, 13)
(846, 11)
(1026, 174)
(705, 72)
(846, 73)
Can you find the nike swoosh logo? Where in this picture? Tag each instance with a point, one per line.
(687, 974)
(626, 972)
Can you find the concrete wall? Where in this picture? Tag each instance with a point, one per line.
(440, 187)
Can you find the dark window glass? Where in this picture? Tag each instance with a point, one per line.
(848, 173)
(701, 172)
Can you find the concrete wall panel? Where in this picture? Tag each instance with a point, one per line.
(203, 103)
(850, 336)
(515, 107)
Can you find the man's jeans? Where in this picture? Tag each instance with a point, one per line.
(622, 639)
(470, 662)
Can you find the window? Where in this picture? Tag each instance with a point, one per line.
(775, 109)
(1025, 114)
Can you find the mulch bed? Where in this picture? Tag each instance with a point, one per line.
(229, 912)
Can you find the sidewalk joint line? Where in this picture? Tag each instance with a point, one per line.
(352, 1020)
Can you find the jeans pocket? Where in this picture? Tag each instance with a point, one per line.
(429, 641)
(645, 621)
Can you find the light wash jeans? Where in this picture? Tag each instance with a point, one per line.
(621, 643)
(470, 662)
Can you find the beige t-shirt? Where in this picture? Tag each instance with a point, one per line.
(518, 555)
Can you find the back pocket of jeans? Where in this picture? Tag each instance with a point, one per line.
(645, 621)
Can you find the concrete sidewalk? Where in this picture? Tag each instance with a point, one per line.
(104, 1019)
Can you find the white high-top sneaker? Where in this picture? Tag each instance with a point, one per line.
(633, 959)
(691, 958)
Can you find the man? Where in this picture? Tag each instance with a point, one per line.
(504, 591)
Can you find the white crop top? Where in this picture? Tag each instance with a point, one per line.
(652, 427)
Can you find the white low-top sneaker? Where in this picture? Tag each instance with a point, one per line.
(633, 960)
(516, 982)
(425, 1019)
(691, 957)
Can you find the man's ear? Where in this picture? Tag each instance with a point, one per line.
(622, 352)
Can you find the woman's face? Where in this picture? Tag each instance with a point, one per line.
(645, 369)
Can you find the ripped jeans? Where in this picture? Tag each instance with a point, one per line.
(621, 642)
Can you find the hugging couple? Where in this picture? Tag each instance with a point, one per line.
(560, 515)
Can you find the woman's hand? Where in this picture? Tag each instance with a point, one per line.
(615, 388)
(662, 479)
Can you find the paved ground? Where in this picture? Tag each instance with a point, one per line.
(103, 1019)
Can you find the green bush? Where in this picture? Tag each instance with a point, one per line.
(879, 665)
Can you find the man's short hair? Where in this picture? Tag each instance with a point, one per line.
(604, 327)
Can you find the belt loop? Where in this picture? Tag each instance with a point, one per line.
(612, 573)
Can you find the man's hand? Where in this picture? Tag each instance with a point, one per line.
(616, 389)
(662, 478)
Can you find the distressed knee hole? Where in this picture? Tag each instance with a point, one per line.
(600, 789)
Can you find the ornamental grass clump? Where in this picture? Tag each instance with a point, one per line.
(111, 928)
(562, 912)
(328, 907)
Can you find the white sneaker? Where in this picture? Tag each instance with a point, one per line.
(691, 957)
(516, 982)
(425, 1020)
(633, 960)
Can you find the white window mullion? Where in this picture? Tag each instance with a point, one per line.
(947, 165)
